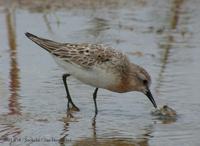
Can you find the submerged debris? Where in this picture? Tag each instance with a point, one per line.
(164, 112)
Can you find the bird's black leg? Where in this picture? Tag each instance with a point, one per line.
(64, 77)
(95, 103)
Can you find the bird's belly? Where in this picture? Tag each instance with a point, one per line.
(95, 76)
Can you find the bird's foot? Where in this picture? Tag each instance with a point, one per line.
(75, 108)
(70, 110)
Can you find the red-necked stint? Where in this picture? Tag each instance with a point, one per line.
(98, 66)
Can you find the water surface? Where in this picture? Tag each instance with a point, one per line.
(161, 35)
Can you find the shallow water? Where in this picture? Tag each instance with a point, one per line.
(161, 35)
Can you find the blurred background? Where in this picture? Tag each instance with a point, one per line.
(160, 35)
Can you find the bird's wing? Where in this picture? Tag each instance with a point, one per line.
(85, 55)
(88, 55)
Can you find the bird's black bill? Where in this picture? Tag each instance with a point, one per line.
(149, 95)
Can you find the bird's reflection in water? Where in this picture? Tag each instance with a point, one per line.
(96, 140)
(111, 141)
(69, 117)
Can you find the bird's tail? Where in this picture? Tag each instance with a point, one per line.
(44, 43)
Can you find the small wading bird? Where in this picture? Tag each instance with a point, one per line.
(98, 66)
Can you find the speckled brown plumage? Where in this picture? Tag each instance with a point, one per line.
(99, 66)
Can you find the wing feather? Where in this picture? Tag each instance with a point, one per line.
(85, 55)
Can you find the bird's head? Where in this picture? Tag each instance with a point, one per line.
(140, 81)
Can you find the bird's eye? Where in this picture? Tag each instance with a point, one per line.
(145, 82)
